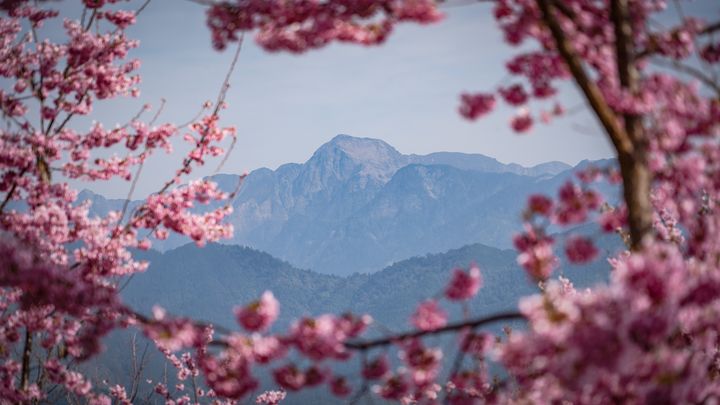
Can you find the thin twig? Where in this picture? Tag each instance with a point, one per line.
(11, 192)
(687, 69)
(126, 203)
(220, 101)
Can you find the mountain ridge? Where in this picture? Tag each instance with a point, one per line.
(208, 283)
(358, 204)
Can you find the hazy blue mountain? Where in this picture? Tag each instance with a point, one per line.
(353, 213)
(207, 283)
(358, 205)
(484, 163)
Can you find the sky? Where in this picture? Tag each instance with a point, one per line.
(405, 92)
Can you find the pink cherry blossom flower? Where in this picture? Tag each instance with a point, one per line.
(315, 375)
(540, 204)
(536, 253)
(94, 3)
(271, 397)
(293, 27)
(464, 284)
(289, 377)
(266, 348)
(477, 344)
(229, 373)
(321, 338)
(395, 387)
(340, 387)
(514, 95)
(575, 203)
(429, 316)
(260, 314)
(474, 106)
(521, 122)
(376, 368)
(580, 249)
(423, 362)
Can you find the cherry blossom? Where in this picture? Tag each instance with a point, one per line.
(271, 397)
(429, 316)
(376, 368)
(476, 105)
(464, 284)
(289, 377)
(297, 27)
(536, 253)
(522, 122)
(648, 335)
(260, 314)
(580, 249)
(540, 205)
(339, 387)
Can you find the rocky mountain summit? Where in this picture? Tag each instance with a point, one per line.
(358, 205)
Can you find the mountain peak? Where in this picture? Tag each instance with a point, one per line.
(368, 157)
(362, 149)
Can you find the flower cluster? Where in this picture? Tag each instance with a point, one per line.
(647, 330)
(229, 371)
(429, 316)
(259, 315)
(650, 335)
(301, 25)
(271, 397)
(464, 284)
(574, 205)
(171, 212)
(474, 106)
(61, 266)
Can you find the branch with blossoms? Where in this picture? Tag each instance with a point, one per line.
(649, 335)
(454, 327)
(61, 266)
(228, 362)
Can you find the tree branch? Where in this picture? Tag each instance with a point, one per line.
(473, 323)
(711, 28)
(11, 192)
(652, 47)
(592, 93)
(689, 70)
(27, 351)
(627, 140)
(633, 166)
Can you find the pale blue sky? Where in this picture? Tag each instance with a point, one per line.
(285, 106)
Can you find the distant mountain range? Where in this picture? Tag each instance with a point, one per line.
(207, 283)
(358, 205)
(380, 231)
